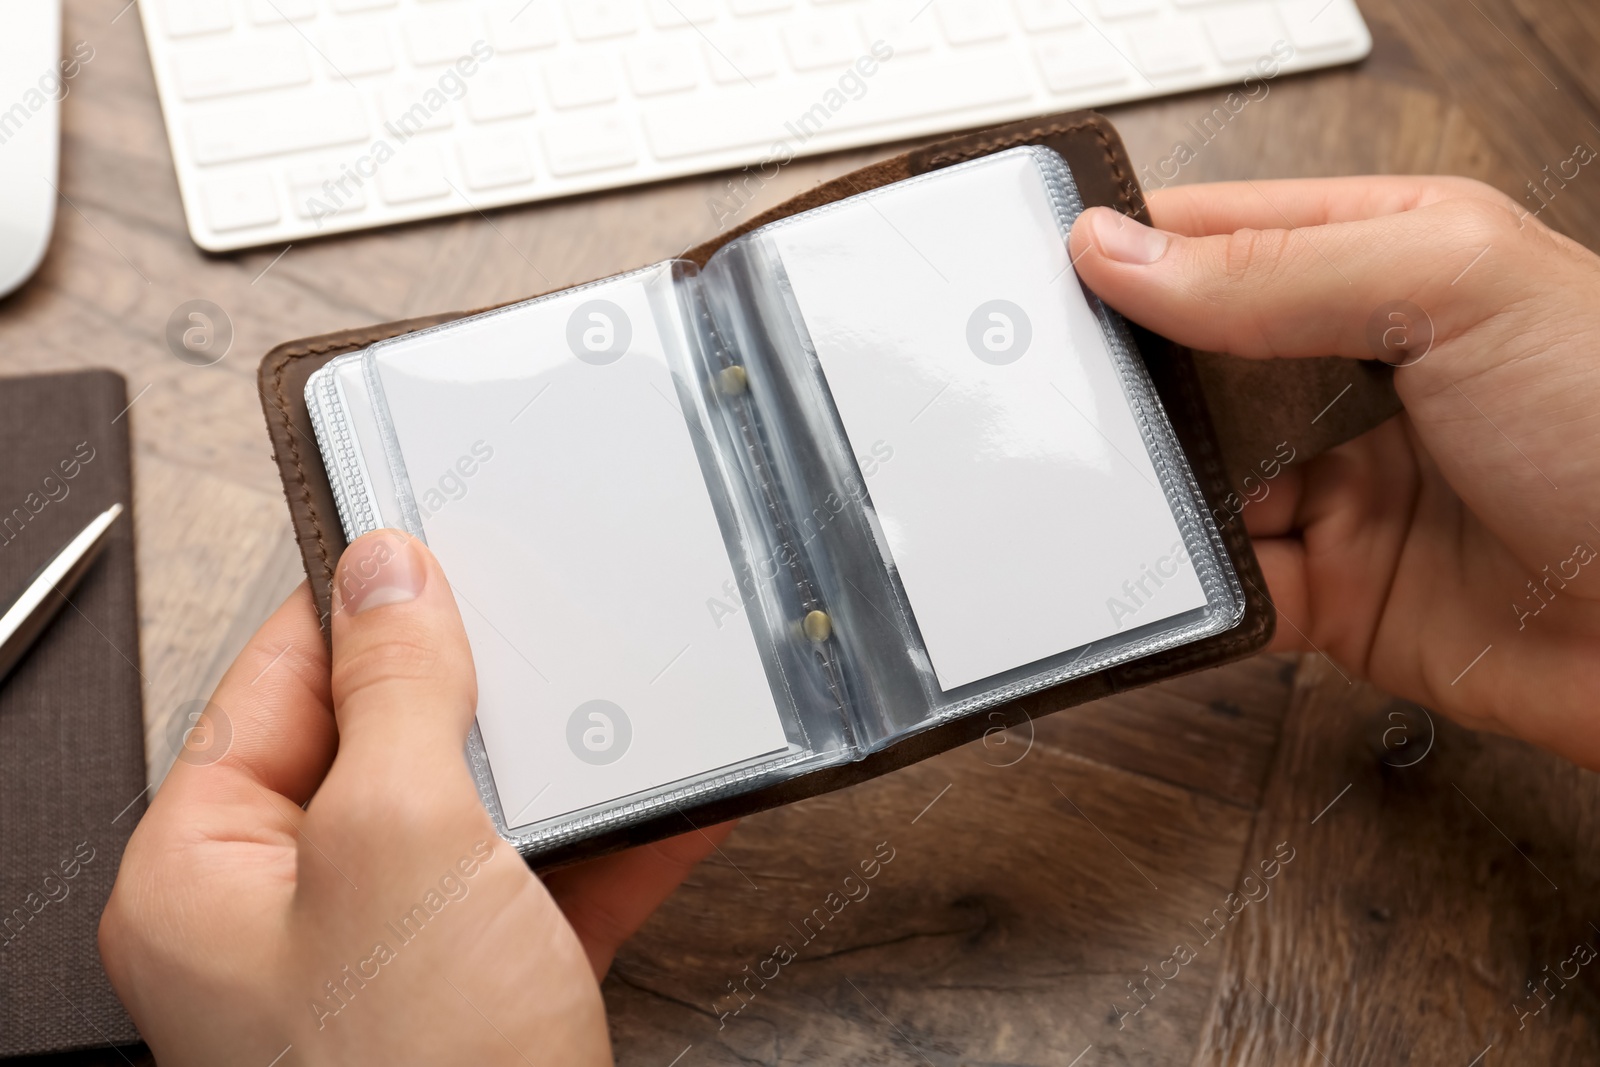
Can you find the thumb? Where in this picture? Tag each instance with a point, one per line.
(404, 687)
(1303, 291)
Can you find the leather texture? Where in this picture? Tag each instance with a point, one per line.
(1261, 405)
(72, 769)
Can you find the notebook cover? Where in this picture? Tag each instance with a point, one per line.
(1268, 405)
(72, 770)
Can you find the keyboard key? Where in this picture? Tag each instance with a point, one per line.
(1125, 9)
(239, 203)
(1165, 51)
(740, 56)
(518, 26)
(223, 69)
(357, 50)
(658, 69)
(1244, 34)
(822, 44)
(581, 147)
(1078, 60)
(1039, 16)
(321, 192)
(759, 7)
(345, 7)
(595, 20)
(412, 107)
(278, 12)
(899, 32)
(970, 21)
(499, 92)
(580, 82)
(675, 14)
(415, 173)
(190, 18)
(493, 162)
(442, 37)
(1318, 24)
(276, 126)
(792, 114)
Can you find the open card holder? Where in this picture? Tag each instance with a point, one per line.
(872, 470)
(1236, 424)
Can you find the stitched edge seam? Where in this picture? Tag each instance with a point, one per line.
(282, 403)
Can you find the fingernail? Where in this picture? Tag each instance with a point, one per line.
(379, 569)
(1124, 240)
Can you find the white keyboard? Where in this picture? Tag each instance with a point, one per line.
(293, 118)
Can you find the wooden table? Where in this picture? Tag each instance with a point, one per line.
(1035, 882)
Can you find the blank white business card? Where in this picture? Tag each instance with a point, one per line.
(1020, 507)
(558, 484)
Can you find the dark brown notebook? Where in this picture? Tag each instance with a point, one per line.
(72, 771)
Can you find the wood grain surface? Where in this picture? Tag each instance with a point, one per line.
(1038, 880)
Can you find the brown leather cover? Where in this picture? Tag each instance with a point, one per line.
(72, 773)
(1264, 406)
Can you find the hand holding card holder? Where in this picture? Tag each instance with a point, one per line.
(794, 513)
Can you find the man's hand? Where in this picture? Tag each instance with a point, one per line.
(1469, 523)
(384, 922)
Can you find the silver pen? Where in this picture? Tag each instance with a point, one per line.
(27, 616)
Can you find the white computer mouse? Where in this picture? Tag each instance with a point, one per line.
(31, 88)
